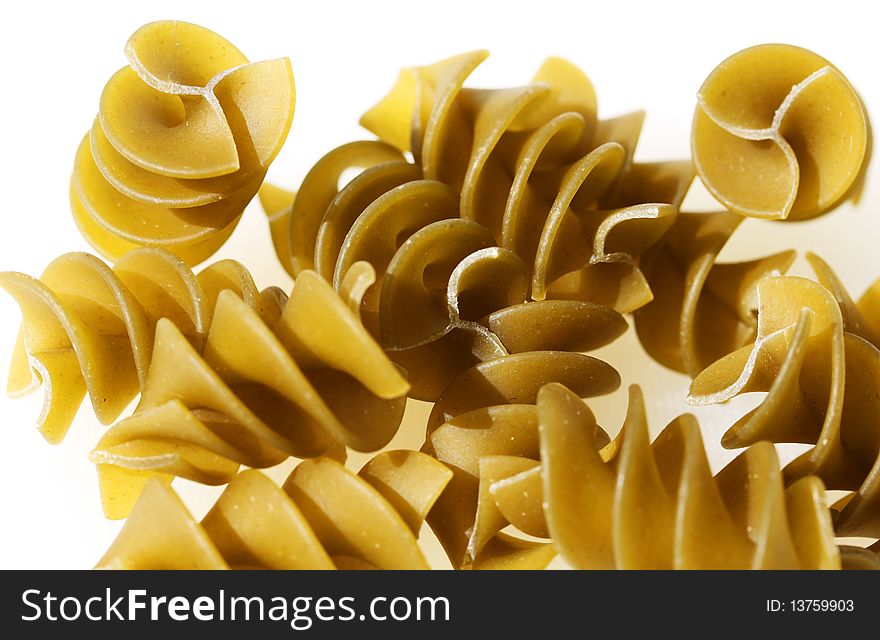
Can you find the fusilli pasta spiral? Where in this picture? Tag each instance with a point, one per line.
(532, 165)
(181, 144)
(763, 119)
(822, 384)
(254, 395)
(89, 328)
(324, 517)
(701, 309)
(551, 471)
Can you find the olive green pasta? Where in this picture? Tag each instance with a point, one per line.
(821, 383)
(482, 313)
(641, 505)
(550, 471)
(470, 256)
(763, 141)
(489, 410)
(324, 517)
(89, 328)
(531, 165)
(702, 309)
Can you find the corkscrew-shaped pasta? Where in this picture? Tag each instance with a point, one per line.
(89, 328)
(324, 517)
(489, 411)
(551, 471)
(823, 388)
(181, 144)
(532, 165)
(256, 394)
(482, 313)
(442, 296)
(701, 309)
(780, 133)
(641, 505)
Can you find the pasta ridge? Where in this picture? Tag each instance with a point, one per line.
(182, 141)
(324, 517)
(761, 117)
(702, 308)
(88, 328)
(550, 471)
(256, 394)
(821, 383)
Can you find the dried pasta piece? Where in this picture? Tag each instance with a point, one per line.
(550, 471)
(89, 328)
(822, 384)
(277, 203)
(254, 395)
(642, 505)
(762, 140)
(860, 318)
(324, 517)
(321, 189)
(436, 332)
(183, 138)
(489, 411)
(701, 309)
(531, 165)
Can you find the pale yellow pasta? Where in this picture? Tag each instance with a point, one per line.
(181, 144)
(822, 387)
(277, 203)
(780, 133)
(89, 328)
(254, 395)
(324, 517)
(702, 309)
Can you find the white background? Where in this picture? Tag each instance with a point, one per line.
(56, 58)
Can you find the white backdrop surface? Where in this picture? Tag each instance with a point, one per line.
(345, 55)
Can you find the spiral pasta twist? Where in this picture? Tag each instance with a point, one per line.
(762, 118)
(658, 506)
(181, 144)
(489, 411)
(531, 165)
(701, 309)
(551, 471)
(822, 384)
(440, 296)
(324, 517)
(255, 395)
(482, 313)
(89, 329)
